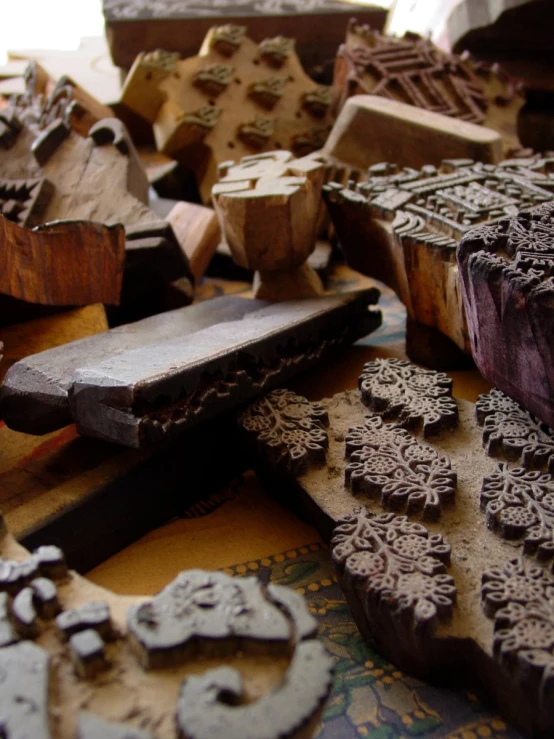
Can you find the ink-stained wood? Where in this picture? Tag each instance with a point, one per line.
(506, 270)
(141, 396)
(413, 70)
(33, 397)
(439, 521)
(412, 137)
(235, 98)
(402, 227)
(71, 263)
(268, 207)
(198, 232)
(134, 26)
(235, 635)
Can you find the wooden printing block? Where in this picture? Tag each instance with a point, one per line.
(236, 98)
(141, 396)
(134, 26)
(98, 178)
(268, 206)
(33, 397)
(413, 70)
(225, 638)
(440, 521)
(402, 227)
(506, 269)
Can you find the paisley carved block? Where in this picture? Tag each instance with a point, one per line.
(506, 272)
(224, 637)
(403, 227)
(443, 546)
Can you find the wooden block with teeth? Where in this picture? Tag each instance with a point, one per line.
(236, 98)
(440, 522)
(234, 634)
(403, 225)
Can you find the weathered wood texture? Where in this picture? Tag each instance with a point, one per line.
(268, 206)
(198, 232)
(402, 227)
(33, 397)
(506, 269)
(141, 396)
(234, 99)
(413, 70)
(439, 520)
(412, 137)
(222, 636)
(134, 26)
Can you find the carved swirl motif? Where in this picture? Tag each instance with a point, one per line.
(387, 462)
(227, 39)
(317, 101)
(213, 78)
(396, 564)
(521, 601)
(256, 133)
(520, 503)
(267, 92)
(397, 389)
(275, 51)
(160, 58)
(512, 432)
(290, 428)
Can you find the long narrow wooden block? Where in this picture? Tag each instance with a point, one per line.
(440, 521)
(372, 129)
(33, 397)
(403, 226)
(506, 271)
(224, 638)
(141, 396)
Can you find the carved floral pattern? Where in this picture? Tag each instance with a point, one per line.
(512, 432)
(275, 51)
(256, 133)
(396, 564)
(290, 429)
(414, 397)
(386, 461)
(213, 78)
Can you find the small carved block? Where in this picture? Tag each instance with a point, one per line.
(403, 226)
(25, 614)
(45, 597)
(94, 615)
(51, 562)
(506, 269)
(478, 573)
(88, 653)
(413, 70)
(235, 98)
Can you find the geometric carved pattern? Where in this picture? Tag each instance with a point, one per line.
(385, 461)
(512, 432)
(22, 201)
(413, 397)
(397, 567)
(520, 598)
(291, 429)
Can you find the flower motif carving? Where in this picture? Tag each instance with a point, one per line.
(275, 51)
(520, 503)
(289, 429)
(521, 601)
(395, 565)
(397, 389)
(512, 432)
(386, 461)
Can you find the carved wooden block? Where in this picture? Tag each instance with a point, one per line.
(506, 269)
(236, 98)
(198, 232)
(144, 395)
(439, 517)
(402, 227)
(225, 638)
(134, 26)
(98, 178)
(268, 207)
(413, 70)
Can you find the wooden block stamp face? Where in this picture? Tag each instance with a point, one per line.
(443, 541)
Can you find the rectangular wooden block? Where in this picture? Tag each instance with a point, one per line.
(198, 233)
(371, 129)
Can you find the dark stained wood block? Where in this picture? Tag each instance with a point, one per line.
(133, 26)
(402, 227)
(443, 543)
(506, 269)
(222, 635)
(141, 396)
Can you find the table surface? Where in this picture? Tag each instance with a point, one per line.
(243, 531)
